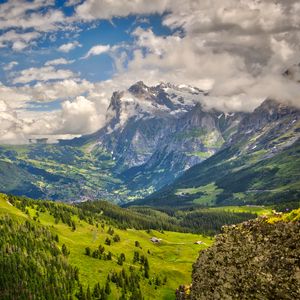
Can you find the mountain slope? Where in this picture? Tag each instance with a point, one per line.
(32, 265)
(57, 172)
(152, 136)
(155, 133)
(259, 164)
(101, 252)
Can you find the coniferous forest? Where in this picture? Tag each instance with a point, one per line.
(32, 265)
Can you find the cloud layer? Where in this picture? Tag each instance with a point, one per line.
(237, 49)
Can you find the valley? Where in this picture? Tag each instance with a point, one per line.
(123, 213)
(161, 146)
(149, 150)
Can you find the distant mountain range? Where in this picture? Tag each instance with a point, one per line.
(163, 142)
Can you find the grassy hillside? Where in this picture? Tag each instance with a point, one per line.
(32, 265)
(235, 176)
(170, 260)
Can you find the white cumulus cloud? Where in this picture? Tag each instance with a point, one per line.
(42, 74)
(69, 46)
(58, 61)
(97, 50)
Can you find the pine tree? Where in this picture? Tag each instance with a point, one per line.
(88, 294)
(107, 288)
(97, 291)
(117, 238)
(109, 256)
(146, 267)
(73, 225)
(110, 231)
(65, 250)
(88, 251)
(136, 256)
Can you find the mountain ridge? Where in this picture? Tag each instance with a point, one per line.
(272, 132)
(153, 135)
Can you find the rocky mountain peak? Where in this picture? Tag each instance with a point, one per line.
(139, 88)
(141, 101)
(115, 102)
(272, 109)
(165, 85)
(114, 108)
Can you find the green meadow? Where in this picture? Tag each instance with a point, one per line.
(170, 260)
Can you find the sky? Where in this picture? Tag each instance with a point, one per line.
(60, 61)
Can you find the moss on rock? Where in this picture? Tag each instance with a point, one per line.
(258, 259)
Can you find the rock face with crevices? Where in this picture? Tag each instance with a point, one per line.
(258, 259)
(156, 133)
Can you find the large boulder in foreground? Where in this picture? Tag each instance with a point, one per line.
(258, 259)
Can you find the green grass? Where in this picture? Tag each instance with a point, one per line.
(201, 154)
(209, 193)
(259, 210)
(173, 257)
(7, 208)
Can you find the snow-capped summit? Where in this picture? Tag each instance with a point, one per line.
(154, 133)
(141, 101)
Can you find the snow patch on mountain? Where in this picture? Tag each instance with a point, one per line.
(141, 101)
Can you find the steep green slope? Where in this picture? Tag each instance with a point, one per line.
(16, 180)
(32, 266)
(233, 177)
(259, 164)
(125, 263)
(255, 260)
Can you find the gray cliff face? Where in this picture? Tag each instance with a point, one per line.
(272, 126)
(156, 133)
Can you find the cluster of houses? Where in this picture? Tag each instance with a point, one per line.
(155, 240)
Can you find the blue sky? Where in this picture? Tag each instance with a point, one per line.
(61, 60)
(112, 32)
